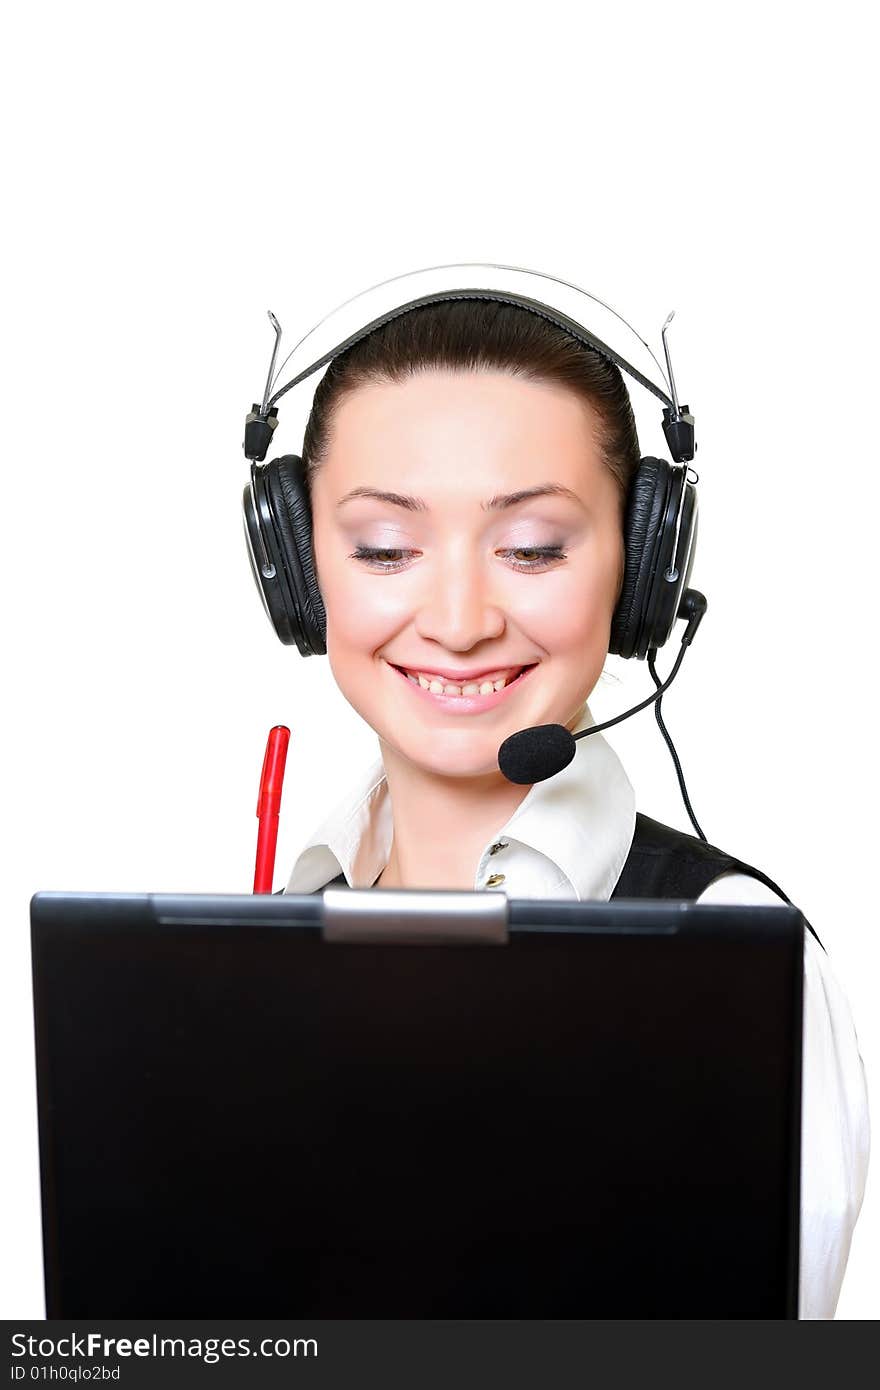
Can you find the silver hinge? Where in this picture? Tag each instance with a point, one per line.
(424, 918)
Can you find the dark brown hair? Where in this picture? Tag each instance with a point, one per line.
(474, 335)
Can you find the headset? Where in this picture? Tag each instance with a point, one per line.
(660, 518)
(660, 525)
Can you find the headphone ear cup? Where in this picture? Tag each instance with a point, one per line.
(672, 569)
(262, 542)
(642, 528)
(292, 515)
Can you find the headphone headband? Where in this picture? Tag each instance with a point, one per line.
(678, 423)
(520, 301)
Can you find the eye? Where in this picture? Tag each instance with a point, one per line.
(545, 554)
(379, 558)
(539, 557)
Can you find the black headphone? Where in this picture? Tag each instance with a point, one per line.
(660, 524)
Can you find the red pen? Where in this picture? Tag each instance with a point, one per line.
(269, 806)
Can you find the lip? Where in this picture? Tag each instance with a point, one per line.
(463, 704)
(462, 677)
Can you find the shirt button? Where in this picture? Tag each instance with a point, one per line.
(494, 879)
(499, 844)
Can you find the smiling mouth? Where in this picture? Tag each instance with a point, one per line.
(439, 685)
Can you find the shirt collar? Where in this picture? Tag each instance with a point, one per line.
(571, 834)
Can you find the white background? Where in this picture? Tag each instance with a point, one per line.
(174, 171)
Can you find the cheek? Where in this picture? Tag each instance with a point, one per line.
(364, 611)
(569, 612)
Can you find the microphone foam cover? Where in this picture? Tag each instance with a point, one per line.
(533, 755)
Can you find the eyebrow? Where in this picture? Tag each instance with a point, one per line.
(497, 503)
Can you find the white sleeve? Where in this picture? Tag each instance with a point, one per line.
(835, 1132)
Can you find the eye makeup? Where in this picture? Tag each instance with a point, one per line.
(387, 560)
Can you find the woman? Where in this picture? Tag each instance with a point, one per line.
(467, 467)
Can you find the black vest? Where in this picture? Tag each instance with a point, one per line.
(666, 863)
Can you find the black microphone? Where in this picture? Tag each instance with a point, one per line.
(533, 755)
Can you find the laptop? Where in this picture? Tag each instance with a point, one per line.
(417, 1105)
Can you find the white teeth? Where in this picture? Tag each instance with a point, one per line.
(438, 686)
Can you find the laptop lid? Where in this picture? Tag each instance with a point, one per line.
(577, 1110)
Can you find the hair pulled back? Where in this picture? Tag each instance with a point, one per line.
(479, 335)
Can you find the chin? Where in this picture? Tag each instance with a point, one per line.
(464, 758)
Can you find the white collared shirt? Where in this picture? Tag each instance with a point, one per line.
(569, 838)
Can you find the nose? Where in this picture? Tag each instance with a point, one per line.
(459, 610)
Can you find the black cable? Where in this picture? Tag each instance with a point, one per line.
(670, 745)
(643, 704)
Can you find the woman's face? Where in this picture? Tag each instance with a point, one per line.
(481, 569)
